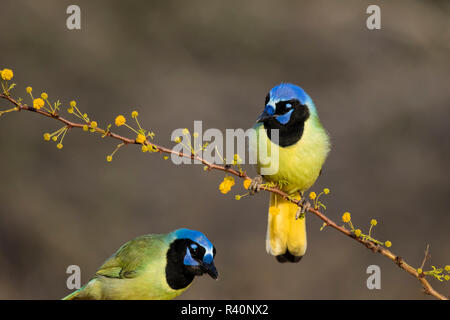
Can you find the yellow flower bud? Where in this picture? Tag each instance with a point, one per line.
(109, 158)
(346, 217)
(134, 114)
(94, 124)
(224, 187)
(38, 103)
(7, 74)
(44, 95)
(312, 195)
(47, 136)
(388, 244)
(373, 222)
(229, 180)
(59, 146)
(29, 89)
(357, 232)
(73, 103)
(326, 191)
(120, 120)
(226, 184)
(141, 138)
(247, 183)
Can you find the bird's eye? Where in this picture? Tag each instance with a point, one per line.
(284, 106)
(197, 251)
(281, 107)
(267, 98)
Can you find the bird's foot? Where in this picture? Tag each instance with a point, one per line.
(303, 207)
(255, 185)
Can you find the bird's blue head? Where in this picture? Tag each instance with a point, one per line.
(287, 107)
(200, 246)
(283, 100)
(191, 254)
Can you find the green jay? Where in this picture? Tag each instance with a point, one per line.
(297, 146)
(152, 267)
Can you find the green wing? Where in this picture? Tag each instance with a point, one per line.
(132, 257)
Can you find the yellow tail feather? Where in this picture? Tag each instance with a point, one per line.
(285, 235)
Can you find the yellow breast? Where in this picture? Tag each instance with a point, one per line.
(298, 166)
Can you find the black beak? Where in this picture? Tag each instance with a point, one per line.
(210, 269)
(264, 116)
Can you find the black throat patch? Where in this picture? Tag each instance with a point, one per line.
(291, 132)
(177, 275)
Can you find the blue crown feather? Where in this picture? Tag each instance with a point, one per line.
(288, 91)
(199, 238)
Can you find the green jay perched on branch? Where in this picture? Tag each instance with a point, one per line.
(297, 144)
(152, 267)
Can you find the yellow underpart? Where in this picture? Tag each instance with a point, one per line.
(298, 165)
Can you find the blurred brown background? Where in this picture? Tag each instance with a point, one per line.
(382, 95)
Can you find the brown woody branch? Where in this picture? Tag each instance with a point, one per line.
(400, 262)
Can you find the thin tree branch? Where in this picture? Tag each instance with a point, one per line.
(399, 261)
(426, 257)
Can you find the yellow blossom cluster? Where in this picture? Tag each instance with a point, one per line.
(141, 138)
(120, 120)
(7, 74)
(346, 217)
(38, 103)
(141, 134)
(58, 134)
(437, 273)
(315, 198)
(226, 184)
